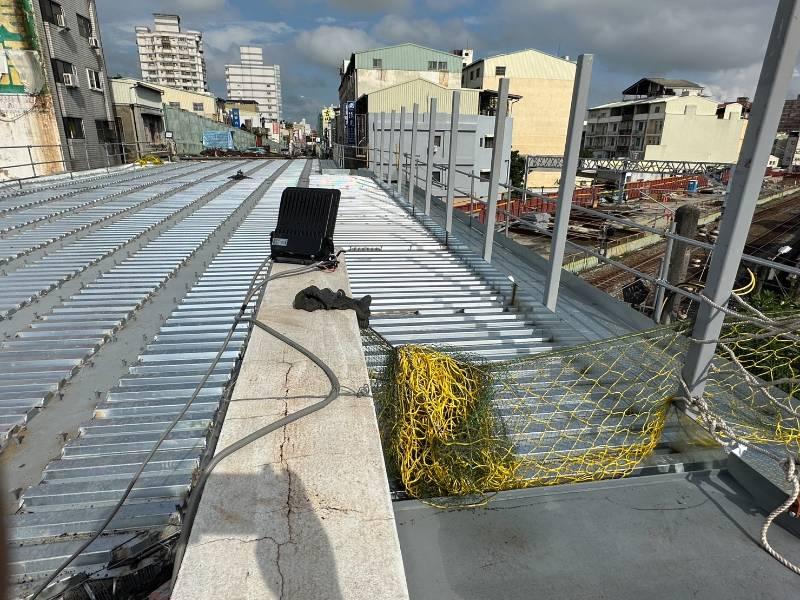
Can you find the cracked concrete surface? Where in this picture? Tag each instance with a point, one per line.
(304, 512)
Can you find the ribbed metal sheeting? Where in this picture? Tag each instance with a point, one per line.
(112, 200)
(43, 356)
(36, 278)
(15, 216)
(78, 488)
(73, 181)
(424, 292)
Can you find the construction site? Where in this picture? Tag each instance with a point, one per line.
(237, 374)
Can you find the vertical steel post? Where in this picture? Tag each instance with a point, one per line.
(30, 157)
(580, 98)
(380, 147)
(431, 147)
(86, 151)
(471, 195)
(451, 163)
(391, 148)
(773, 83)
(658, 307)
(373, 159)
(412, 179)
(497, 165)
(525, 182)
(400, 158)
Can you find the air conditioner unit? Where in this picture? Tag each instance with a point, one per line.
(69, 80)
(60, 21)
(94, 42)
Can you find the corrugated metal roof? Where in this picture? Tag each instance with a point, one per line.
(421, 91)
(657, 100)
(407, 57)
(530, 64)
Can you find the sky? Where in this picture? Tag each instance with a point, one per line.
(717, 43)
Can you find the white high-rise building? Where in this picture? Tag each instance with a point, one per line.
(171, 57)
(253, 80)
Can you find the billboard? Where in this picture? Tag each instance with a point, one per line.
(218, 139)
(350, 123)
(235, 118)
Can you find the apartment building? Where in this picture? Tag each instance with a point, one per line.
(53, 87)
(172, 57)
(253, 80)
(790, 117)
(543, 85)
(665, 119)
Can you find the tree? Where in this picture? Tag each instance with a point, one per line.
(517, 172)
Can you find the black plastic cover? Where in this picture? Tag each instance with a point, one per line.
(306, 220)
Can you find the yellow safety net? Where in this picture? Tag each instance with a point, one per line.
(455, 426)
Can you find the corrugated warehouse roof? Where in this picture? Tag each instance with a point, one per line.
(407, 57)
(531, 64)
(421, 91)
(656, 100)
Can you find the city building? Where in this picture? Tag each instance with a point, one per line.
(140, 114)
(544, 84)
(790, 118)
(475, 131)
(371, 70)
(243, 113)
(171, 57)
(253, 80)
(790, 157)
(325, 127)
(665, 119)
(467, 56)
(747, 106)
(53, 88)
(202, 104)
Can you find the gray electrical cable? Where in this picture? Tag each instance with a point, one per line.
(191, 511)
(254, 288)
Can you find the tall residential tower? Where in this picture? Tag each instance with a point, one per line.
(253, 80)
(169, 56)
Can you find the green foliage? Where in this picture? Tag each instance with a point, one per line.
(517, 169)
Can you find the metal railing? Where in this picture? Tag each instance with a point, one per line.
(726, 255)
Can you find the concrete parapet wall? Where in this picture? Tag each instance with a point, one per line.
(304, 512)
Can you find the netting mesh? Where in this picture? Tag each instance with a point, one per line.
(453, 425)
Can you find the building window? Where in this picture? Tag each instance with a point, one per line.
(377, 63)
(197, 106)
(640, 126)
(105, 132)
(175, 104)
(614, 127)
(95, 80)
(484, 174)
(471, 75)
(431, 65)
(84, 27)
(500, 71)
(437, 140)
(488, 141)
(73, 128)
(656, 109)
(166, 43)
(52, 12)
(64, 72)
(436, 176)
(478, 72)
(443, 66)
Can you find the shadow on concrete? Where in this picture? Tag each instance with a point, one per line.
(294, 554)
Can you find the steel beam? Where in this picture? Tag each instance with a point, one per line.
(391, 147)
(617, 165)
(773, 84)
(429, 165)
(451, 164)
(412, 165)
(400, 158)
(380, 147)
(497, 167)
(580, 101)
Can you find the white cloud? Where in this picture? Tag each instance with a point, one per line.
(373, 5)
(441, 33)
(328, 45)
(245, 33)
(326, 20)
(204, 5)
